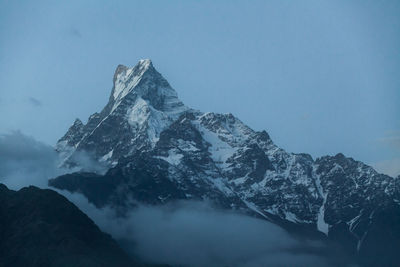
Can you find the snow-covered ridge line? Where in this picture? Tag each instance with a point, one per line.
(219, 152)
(141, 101)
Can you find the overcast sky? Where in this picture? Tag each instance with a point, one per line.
(321, 77)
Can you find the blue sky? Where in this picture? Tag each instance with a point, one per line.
(321, 77)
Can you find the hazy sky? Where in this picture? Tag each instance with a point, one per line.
(321, 77)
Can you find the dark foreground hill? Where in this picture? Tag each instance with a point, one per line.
(42, 228)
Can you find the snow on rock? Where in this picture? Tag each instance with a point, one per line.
(141, 102)
(322, 226)
(107, 156)
(220, 150)
(174, 158)
(217, 156)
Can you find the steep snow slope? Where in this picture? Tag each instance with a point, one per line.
(141, 105)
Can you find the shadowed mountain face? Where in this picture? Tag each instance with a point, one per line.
(159, 150)
(42, 228)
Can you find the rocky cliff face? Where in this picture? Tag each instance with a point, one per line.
(159, 150)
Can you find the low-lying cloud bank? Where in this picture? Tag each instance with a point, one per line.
(195, 234)
(25, 161)
(188, 233)
(180, 234)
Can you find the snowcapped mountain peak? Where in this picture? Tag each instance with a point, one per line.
(125, 78)
(78, 123)
(143, 81)
(120, 69)
(141, 105)
(145, 63)
(159, 150)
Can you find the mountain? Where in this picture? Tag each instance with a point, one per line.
(158, 150)
(42, 228)
(141, 105)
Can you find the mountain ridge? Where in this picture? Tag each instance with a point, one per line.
(39, 227)
(141, 102)
(159, 150)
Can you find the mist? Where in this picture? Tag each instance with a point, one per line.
(195, 234)
(189, 233)
(182, 233)
(25, 161)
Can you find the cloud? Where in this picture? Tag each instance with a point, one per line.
(392, 139)
(35, 102)
(389, 167)
(25, 161)
(87, 162)
(195, 234)
(305, 116)
(75, 32)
